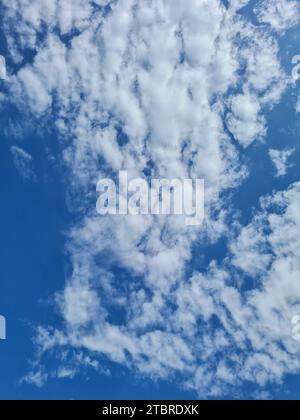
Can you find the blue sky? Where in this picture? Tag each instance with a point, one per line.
(144, 308)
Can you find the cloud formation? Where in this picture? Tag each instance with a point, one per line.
(23, 163)
(177, 92)
(280, 15)
(280, 159)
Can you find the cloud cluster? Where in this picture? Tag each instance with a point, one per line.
(219, 333)
(280, 14)
(175, 92)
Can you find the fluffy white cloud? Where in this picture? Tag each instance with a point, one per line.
(216, 336)
(141, 84)
(280, 159)
(245, 122)
(256, 326)
(279, 14)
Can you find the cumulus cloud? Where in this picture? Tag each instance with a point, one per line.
(280, 159)
(213, 317)
(280, 14)
(139, 85)
(246, 122)
(257, 324)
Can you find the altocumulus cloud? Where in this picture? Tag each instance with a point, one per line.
(187, 88)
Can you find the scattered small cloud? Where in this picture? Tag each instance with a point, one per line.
(37, 378)
(298, 105)
(23, 163)
(280, 159)
(280, 14)
(2, 68)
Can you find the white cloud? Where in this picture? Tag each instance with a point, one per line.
(279, 14)
(23, 163)
(298, 105)
(37, 378)
(280, 159)
(257, 324)
(246, 122)
(249, 250)
(2, 68)
(168, 78)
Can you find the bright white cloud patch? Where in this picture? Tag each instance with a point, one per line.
(135, 85)
(280, 159)
(279, 14)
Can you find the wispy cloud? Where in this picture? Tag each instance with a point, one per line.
(23, 163)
